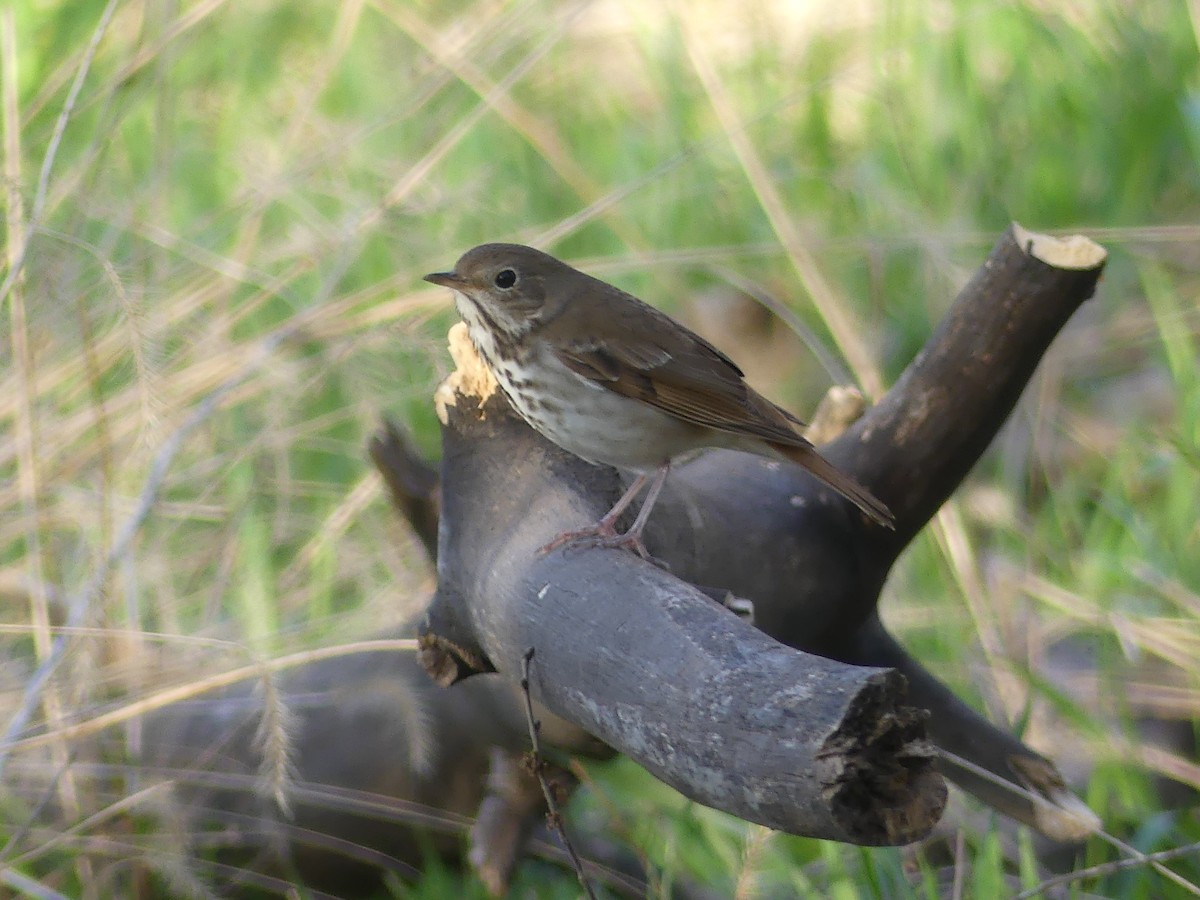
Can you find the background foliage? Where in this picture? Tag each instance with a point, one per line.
(241, 198)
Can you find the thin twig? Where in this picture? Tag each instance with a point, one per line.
(538, 765)
(1035, 798)
(829, 362)
(1108, 868)
(840, 319)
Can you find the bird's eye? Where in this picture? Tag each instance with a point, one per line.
(505, 279)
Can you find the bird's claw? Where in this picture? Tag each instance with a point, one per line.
(606, 537)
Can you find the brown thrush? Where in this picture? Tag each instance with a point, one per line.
(616, 382)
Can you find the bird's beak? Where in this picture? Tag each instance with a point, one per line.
(446, 279)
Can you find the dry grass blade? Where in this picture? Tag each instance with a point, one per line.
(954, 540)
(751, 288)
(533, 128)
(748, 886)
(1108, 868)
(247, 829)
(274, 740)
(368, 805)
(80, 605)
(195, 688)
(960, 865)
(146, 796)
(29, 462)
(421, 169)
(847, 332)
(17, 262)
(1132, 852)
(29, 886)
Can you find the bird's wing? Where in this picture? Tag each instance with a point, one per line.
(683, 375)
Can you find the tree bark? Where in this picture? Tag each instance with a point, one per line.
(652, 666)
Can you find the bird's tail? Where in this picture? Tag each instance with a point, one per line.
(814, 462)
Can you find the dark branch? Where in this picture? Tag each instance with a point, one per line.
(917, 445)
(813, 569)
(652, 666)
(412, 482)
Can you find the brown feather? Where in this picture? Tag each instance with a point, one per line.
(815, 463)
(704, 390)
(697, 388)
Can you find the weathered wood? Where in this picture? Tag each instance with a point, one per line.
(916, 446)
(412, 482)
(634, 656)
(649, 664)
(815, 590)
(963, 734)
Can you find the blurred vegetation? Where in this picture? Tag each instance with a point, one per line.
(243, 196)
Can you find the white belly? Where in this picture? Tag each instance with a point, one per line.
(586, 418)
(616, 430)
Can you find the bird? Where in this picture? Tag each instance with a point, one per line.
(617, 382)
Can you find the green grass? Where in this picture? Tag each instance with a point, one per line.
(233, 169)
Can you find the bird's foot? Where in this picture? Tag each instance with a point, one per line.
(603, 534)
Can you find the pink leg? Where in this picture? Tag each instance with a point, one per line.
(609, 522)
(635, 530)
(606, 527)
(604, 534)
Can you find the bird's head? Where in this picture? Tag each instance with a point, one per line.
(506, 285)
